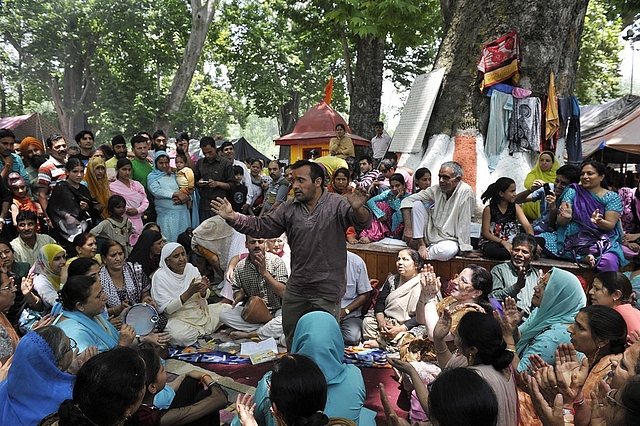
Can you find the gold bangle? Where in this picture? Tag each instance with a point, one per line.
(442, 351)
(511, 350)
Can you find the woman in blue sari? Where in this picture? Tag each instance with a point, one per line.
(38, 380)
(557, 298)
(170, 203)
(84, 317)
(592, 205)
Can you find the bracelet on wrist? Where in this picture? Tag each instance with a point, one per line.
(442, 351)
(579, 402)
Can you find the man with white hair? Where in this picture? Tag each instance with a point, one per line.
(438, 218)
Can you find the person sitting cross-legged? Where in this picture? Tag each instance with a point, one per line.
(264, 275)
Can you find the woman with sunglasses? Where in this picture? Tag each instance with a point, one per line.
(41, 376)
(468, 292)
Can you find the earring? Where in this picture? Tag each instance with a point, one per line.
(471, 358)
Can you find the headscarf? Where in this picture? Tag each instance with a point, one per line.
(30, 140)
(43, 264)
(562, 300)
(318, 336)
(141, 251)
(532, 209)
(167, 285)
(99, 189)
(35, 387)
(156, 174)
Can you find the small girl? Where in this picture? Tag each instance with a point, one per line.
(502, 219)
(185, 177)
(386, 209)
(21, 199)
(116, 227)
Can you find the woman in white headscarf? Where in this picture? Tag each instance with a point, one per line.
(181, 293)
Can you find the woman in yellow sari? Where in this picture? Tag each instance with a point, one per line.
(545, 170)
(98, 184)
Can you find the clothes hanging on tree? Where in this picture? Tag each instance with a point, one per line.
(500, 61)
(569, 111)
(525, 125)
(500, 113)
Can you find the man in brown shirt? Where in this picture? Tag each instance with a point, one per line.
(316, 222)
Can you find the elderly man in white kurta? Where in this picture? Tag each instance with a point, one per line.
(438, 218)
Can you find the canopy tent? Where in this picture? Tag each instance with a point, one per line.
(611, 126)
(244, 150)
(33, 124)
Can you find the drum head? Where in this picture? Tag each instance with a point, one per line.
(142, 317)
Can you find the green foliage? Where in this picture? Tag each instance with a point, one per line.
(599, 64)
(273, 50)
(128, 51)
(276, 48)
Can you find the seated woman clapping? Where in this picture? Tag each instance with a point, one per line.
(469, 293)
(181, 293)
(84, 319)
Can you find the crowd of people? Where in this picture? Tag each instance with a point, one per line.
(85, 238)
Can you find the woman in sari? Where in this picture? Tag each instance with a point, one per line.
(38, 380)
(98, 184)
(181, 293)
(133, 192)
(630, 220)
(396, 304)
(589, 205)
(545, 171)
(82, 318)
(170, 202)
(558, 297)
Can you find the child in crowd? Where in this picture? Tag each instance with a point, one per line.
(21, 199)
(386, 209)
(265, 183)
(116, 226)
(185, 177)
(237, 194)
(502, 219)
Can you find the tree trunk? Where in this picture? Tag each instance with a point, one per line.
(549, 32)
(367, 86)
(288, 114)
(202, 15)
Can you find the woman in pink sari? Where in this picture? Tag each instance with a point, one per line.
(134, 193)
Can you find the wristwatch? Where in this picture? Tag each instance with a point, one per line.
(347, 311)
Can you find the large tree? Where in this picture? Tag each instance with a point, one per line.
(550, 32)
(121, 64)
(400, 35)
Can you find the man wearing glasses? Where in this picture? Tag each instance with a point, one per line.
(438, 219)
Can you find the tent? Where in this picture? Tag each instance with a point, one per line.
(244, 150)
(32, 124)
(612, 128)
(314, 130)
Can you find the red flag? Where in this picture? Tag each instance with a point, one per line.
(328, 91)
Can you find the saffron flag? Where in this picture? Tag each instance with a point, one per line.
(328, 91)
